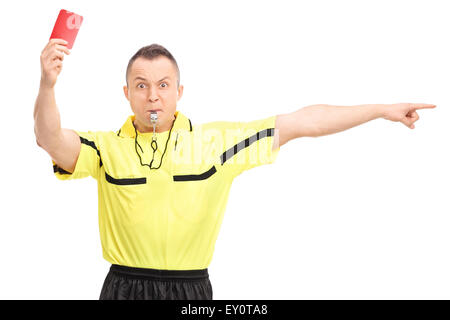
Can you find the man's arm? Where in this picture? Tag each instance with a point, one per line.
(63, 145)
(321, 119)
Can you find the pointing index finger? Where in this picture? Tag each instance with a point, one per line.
(423, 106)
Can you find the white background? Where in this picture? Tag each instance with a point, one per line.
(362, 214)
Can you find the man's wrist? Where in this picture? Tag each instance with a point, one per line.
(45, 86)
(379, 110)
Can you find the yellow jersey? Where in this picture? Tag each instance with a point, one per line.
(163, 208)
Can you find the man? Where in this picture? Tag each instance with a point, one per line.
(163, 185)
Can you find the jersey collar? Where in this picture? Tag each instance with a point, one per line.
(181, 122)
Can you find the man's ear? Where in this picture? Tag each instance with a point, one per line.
(180, 92)
(125, 91)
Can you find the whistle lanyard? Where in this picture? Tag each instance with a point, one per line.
(154, 145)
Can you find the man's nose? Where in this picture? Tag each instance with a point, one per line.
(153, 94)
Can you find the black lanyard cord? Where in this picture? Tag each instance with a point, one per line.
(154, 146)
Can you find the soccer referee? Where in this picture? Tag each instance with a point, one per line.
(163, 187)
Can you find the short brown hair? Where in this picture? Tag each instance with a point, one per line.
(151, 52)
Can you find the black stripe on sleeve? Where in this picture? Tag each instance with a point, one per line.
(60, 170)
(245, 143)
(91, 144)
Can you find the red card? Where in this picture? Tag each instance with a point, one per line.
(67, 26)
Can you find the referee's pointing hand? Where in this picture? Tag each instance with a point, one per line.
(405, 112)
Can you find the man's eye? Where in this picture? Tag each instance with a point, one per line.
(165, 85)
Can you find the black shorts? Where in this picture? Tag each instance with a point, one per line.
(128, 283)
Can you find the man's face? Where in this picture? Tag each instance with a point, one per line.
(153, 85)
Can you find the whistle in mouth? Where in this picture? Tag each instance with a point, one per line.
(153, 117)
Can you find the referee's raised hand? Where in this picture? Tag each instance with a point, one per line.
(51, 61)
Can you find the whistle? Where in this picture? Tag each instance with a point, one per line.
(153, 120)
(153, 117)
